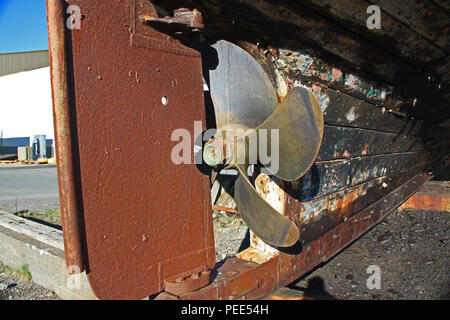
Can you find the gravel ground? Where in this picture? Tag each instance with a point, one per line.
(16, 287)
(412, 251)
(410, 248)
(230, 235)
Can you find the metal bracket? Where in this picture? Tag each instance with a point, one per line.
(187, 284)
(145, 21)
(184, 21)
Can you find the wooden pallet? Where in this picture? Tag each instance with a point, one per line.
(31, 162)
(8, 161)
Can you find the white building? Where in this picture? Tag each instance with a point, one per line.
(25, 96)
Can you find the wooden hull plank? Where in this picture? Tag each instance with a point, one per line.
(331, 176)
(343, 143)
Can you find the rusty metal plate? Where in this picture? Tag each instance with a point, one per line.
(145, 220)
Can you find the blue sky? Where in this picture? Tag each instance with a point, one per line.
(23, 25)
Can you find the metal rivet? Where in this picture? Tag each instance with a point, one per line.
(164, 101)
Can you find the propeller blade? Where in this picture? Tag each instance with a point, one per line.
(299, 120)
(242, 94)
(268, 224)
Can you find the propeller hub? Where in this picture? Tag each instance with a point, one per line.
(213, 153)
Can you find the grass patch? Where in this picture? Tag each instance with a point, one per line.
(51, 216)
(23, 272)
(223, 220)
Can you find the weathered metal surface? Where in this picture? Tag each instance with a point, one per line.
(433, 196)
(195, 281)
(146, 219)
(65, 133)
(184, 21)
(142, 36)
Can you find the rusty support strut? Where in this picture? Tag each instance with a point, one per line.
(63, 133)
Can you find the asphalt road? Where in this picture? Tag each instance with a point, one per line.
(32, 188)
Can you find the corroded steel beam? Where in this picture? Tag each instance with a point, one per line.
(433, 196)
(64, 132)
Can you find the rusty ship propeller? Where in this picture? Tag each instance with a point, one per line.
(247, 114)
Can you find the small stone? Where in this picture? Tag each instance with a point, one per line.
(3, 286)
(354, 284)
(349, 277)
(420, 289)
(385, 238)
